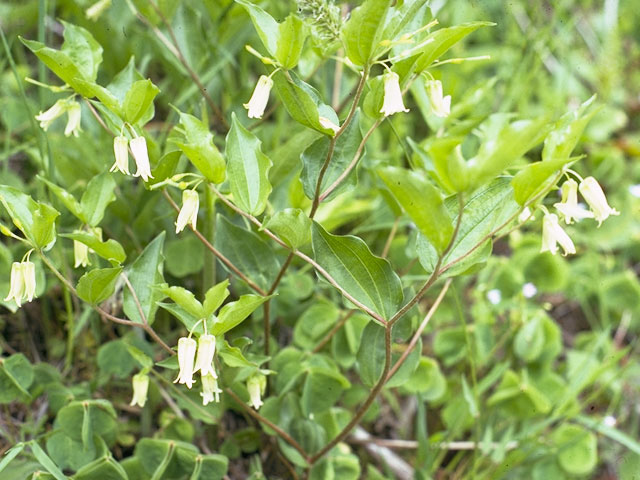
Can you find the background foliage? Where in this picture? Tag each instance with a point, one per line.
(527, 369)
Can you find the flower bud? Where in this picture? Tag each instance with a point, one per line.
(74, 112)
(210, 390)
(141, 156)
(594, 196)
(189, 211)
(552, 234)
(140, 387)
(186, 357)
(258, 101)
(121, 152)
(569, 207)
(256, 385)
(441, 106)
(80, 254)
(23, 282)
(392, 95)
(204, 359)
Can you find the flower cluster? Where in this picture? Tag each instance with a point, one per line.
(68, 106)
(138, 147)
(194, 357)
(23, 282)
(553, 234)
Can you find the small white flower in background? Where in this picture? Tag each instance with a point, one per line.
(121, 152)
(210, 390)
(529, 290)
(74, 112)
(635, 190)
(326, 123)
(97, 9)
(441, 106)
(609, 421)
(494, 296)
(525, 215)
(189, 211)
(392, 95)
(23, 282)
(569, 207)
(256, 385)
(186, 358)
(80, 254)
(140, 387)
(594, 196)
(553, 234)
(204, 359)
(141, 156)
(258, 101)
(47, 117)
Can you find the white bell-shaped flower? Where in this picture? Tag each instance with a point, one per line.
(140, 384)
(80, 254)
(258, 101)
(210, 389)
(141, 156)
(594, 196)
(569, 207)
(206, 351)
(47, 117)
(121, 152)
(74, 112)
(189, 211)
(553, 234)
(256, 385)
(392, 102)
(186, 358)
(441, 106)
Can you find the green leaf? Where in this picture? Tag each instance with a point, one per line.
(314, 323)
(362, 33)
(114, 359)
(200, 149)
(68, 453)
(291, 36)
(16, 376)
(66, 198)
(234, 313)
(104, 468)
(267, 28)
(577, 449)
(443, 40)
(83, 50)
(36, 220)
(247, 168)
(371, 354)
(108, 99)
(535, 178)
(321, 390)
(215, 296)
(139, 100)
(185, 299)
(423, 203)
(98, 195)
(46, 462)
(233, 357)
(344, 152)
(303, 102)
(145, 271)
(565, 134)
(101, 418)
(247, 251)
(503, 145)
(292, 225)
(98, 284)
(110, 250)
(369, 279)
(10, 454)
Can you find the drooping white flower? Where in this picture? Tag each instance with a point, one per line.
(210, 390)
(569, 207)
(189, 211)
(204, 359)
(47, 117)
(97, 9)
(441, 106)
(121, 152)
(23, 282)
(141, 156)
(328, 124)
(553, 234)
(258, 101)
(392, 102)
(74, 112)
(186, 358)
(140, 383)
(594, 196)
(80, 254)
(256, 385)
